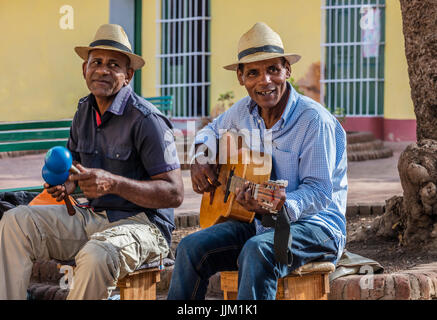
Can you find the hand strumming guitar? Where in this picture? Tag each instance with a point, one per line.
(244, 197)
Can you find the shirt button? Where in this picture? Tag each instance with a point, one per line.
(96, 152)
(117, 155)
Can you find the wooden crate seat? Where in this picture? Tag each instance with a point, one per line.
(309, 282)
(140, 284)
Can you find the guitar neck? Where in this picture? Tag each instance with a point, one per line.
(237, 182)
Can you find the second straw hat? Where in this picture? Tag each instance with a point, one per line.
(261, 43)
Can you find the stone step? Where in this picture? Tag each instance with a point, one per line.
(370, 154)
(359, 136)
(365, 146)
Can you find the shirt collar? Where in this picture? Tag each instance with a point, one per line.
(291, 103)
(119, 104)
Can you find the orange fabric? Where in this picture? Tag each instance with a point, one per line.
(44, 198)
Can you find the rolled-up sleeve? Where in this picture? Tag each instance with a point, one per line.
(156, 145)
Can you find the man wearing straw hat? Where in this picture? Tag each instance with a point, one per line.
(308, 148)
(128, 171)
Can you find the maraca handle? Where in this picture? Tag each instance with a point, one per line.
(70, 209)
(74, 169)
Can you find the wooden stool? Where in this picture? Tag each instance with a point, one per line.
(309, 282)
(140, 284)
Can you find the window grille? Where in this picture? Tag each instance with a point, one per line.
(353, 56)
(184, 56)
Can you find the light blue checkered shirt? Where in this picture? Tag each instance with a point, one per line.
(308, 148)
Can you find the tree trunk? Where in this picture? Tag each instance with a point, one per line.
(413, 217)
(419, 18)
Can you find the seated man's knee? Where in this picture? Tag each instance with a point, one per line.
(16, 215)
(97, 255)
(188, 245)
(255, 251)
(191, 250)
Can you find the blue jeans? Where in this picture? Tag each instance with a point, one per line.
(234, 245)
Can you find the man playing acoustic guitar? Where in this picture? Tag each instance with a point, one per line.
(308, 150)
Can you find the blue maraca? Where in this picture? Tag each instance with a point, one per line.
(53, 178)
(58, 162)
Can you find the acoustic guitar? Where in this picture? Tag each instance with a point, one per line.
(238, 166)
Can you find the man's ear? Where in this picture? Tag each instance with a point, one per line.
(84, 67)
(288, 69)
(129, 75)
(240, 77)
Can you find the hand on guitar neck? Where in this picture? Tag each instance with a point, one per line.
(204, 177)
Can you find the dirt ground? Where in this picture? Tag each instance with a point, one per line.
(388, 253)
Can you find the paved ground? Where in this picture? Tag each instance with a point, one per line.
(369, 181)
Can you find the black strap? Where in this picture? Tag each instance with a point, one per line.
(282, 237)
(267, 48)
(110, 43)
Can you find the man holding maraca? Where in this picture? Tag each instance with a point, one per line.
(127, 167)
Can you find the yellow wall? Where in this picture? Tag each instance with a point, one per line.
(298, 22)
(149, 49)
(41, 73)
(397, 92)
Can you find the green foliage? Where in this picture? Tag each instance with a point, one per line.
(295, 86)
(227, 96)
(338, 112)
(224, 102)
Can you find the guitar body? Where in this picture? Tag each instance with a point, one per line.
(216, 207)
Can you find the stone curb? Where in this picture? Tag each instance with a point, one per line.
(352, 210)
(186, 220)
(418, 283)
(364, 209)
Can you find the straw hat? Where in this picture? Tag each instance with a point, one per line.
(112, 37)
(260, 43)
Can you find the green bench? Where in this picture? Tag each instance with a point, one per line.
(163, 103)
(43, 135)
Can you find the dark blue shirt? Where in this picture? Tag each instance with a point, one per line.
(134, 140)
